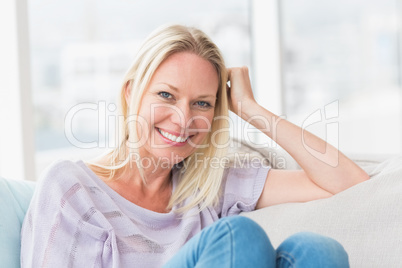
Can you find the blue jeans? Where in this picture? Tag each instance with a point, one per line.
(240, 242)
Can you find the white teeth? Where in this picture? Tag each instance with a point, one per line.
(172, 137)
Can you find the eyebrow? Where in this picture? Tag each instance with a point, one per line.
(176, 89)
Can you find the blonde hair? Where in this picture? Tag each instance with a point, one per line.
(198, 184)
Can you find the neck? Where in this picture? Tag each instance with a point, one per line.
(153, 195)
(156, 180)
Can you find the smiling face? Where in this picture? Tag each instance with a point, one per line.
(178, 106)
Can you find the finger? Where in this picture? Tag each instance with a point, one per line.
(228, 83)
(228, 91)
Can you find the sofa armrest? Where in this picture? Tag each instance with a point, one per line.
(15, 196)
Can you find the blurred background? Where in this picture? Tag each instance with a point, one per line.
(333, 67)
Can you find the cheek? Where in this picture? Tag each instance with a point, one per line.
(154, 113)
(203, 122)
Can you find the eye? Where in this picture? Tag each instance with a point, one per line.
(203, 104)
(165, 95)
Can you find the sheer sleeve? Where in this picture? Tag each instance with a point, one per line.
(241, 189)
(62, 228)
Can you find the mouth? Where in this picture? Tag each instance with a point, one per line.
(173, 138)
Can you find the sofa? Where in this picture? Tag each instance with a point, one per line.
(15, 196)
(365, 218)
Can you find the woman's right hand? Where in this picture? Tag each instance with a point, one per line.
(240, 92)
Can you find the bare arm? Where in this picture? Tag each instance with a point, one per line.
(324, 173)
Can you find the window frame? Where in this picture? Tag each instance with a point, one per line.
(17, 138)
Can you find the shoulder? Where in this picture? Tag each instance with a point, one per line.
(242, 185)
(65, 204)
(63, 174)
(250, 168)
(62, 165)
(64, 186)
(245, 177)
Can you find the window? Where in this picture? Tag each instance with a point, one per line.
(347, 53)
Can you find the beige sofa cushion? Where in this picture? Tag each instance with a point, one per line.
(366, 218)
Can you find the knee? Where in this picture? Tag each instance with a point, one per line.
(243, 226)
(237, 241)
(249, 243)
(325, 250)
(319, 242)
(245, 231)
(240, 222)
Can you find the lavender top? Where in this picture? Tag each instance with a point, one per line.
(76, 220)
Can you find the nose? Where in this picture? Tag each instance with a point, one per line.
(182, 116)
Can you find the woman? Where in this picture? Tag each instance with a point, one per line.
(140, 203)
